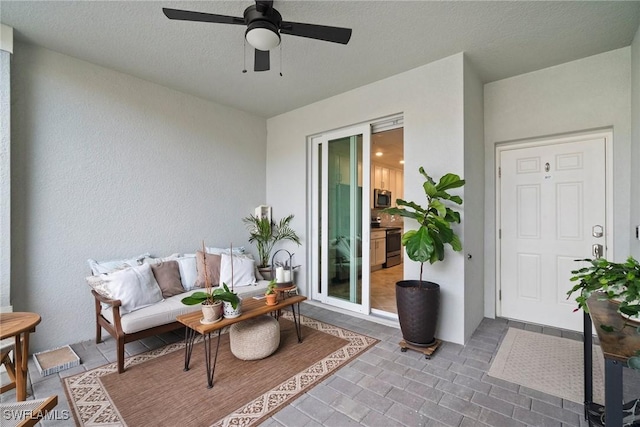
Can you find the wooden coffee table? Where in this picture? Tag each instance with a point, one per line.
(250, 308)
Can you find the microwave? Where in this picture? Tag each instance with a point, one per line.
(381, 198)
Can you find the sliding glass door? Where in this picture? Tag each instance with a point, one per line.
(341, 181)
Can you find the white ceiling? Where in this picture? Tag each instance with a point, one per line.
(502, 39)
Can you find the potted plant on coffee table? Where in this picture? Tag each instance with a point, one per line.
(214, 298)
(418, 301)
(271, 294)
(266, 233)
(211, 299)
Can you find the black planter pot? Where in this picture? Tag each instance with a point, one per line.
(418, 308)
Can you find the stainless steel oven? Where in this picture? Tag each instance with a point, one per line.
(394, 247)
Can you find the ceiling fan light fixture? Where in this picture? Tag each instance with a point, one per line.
(262, 35)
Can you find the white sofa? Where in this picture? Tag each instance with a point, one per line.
(128, 322)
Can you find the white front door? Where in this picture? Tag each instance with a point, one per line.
(552, 210)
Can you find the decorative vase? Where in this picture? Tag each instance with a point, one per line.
(229, 311)
(272, 299)
(266, 272)
(418, 307)
(211, 313)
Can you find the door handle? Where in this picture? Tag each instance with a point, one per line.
(597, 231)
(597, 251)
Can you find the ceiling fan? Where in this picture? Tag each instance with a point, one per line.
(264, 26)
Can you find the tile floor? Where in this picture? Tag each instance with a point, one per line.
(383, 288)
(385, 387)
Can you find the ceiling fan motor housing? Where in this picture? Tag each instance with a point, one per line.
(263, 25)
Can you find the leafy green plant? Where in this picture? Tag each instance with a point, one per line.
(427, 243)
(267, 233)
(271, 287)
(218, 294)
(615, 281)
(618, 281)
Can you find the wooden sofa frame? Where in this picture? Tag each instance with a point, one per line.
(116, 331)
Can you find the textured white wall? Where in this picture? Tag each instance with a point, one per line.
(473, 200)
(431, 100)
(105, 165)
(635, 144)
(580, 95)
(5, 179)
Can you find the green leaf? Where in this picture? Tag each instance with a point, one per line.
(439, 207)
(418, 244)
(195, 298)
(452, 216)
(438, 252)
(429, 189)
(426, 177)
(456, 199)
(606, 328)
(456, 244)
(449, 181)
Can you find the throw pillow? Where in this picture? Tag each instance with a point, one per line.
(99, 267)
(218, 251)
(188, 271)
(213, 269)
(135, 287)
(97, 284)
(243, 270)
(152, 261)
(167, 274)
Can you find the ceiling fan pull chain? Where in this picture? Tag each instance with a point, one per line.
(244, 56)
(280, 59)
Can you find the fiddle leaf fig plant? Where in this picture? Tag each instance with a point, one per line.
(427, 243)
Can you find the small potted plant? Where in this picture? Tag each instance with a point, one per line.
(230, 301)
(212, 302)
(271, 293)
(266, 233)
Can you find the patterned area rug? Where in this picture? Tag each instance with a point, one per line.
(549, 364)
(154, 389)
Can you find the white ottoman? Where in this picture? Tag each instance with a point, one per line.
(255, 338)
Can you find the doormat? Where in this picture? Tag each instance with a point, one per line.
(549, 364)
(56, 360)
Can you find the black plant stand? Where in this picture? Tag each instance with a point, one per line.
(617, 346)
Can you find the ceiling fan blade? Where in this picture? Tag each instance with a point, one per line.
(318, 32)
(187, 15)
(261, 60)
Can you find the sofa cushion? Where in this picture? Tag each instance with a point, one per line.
(218, 251)
(188, 271)
(152, 260)
(168, 309)
(213, 268)
(135, 287)
(243, 270)
(167, 274)
(97, 284)
(99, 267)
